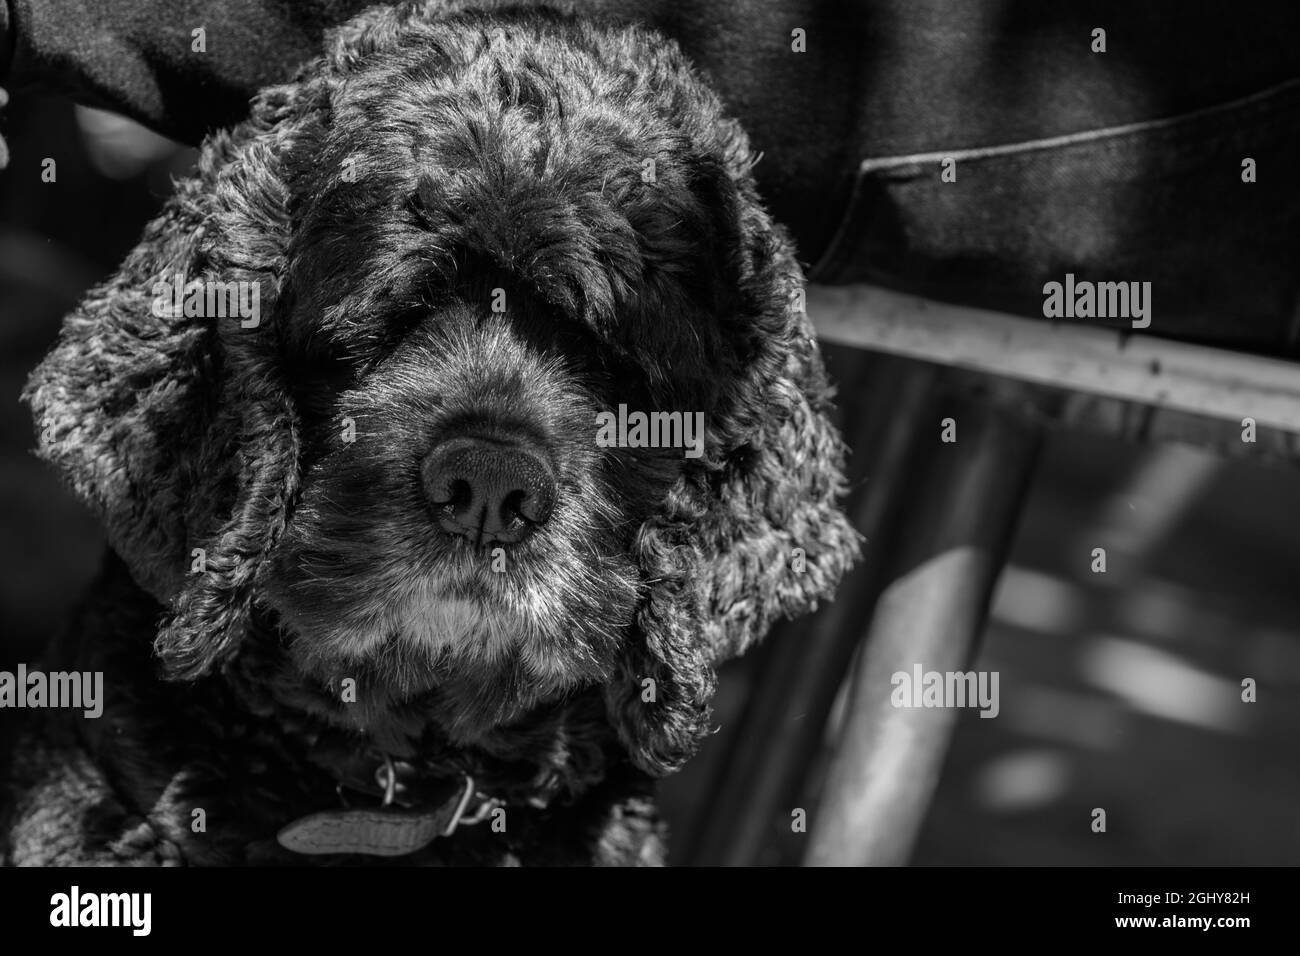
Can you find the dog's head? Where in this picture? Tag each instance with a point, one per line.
(474, 359)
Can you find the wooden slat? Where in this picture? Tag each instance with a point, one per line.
(1220, 384)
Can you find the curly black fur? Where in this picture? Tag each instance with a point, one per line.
(432, 159)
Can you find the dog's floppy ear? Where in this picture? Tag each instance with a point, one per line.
(758, 531)
(176, 428)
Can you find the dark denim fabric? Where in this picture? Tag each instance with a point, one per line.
(1160, 201)
(880, 81)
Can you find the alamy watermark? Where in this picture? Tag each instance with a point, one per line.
(1098, 300)
(922, 688)
(651, 430)
(75, 908)
(208, 299)
(74, 690)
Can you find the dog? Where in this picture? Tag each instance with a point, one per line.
(376, 592)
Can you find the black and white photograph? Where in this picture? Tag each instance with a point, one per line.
(703, 434)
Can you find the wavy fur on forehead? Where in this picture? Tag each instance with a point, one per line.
(181, 432)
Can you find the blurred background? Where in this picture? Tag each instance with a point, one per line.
(56, 240)
(1119, 690)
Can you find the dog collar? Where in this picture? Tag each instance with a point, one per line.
(415, 810)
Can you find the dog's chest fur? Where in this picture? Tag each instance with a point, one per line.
(125, 788)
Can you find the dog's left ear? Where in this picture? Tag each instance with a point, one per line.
(172, 423)
(757, 532)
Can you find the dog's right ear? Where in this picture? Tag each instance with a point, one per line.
(177, 428)
(172, 423)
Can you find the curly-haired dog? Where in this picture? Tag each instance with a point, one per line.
(392, 580)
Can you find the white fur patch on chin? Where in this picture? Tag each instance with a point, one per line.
(460, 629)
(466, 632)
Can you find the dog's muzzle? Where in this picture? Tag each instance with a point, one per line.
(488, 491)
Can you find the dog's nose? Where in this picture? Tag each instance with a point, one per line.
(488, 491)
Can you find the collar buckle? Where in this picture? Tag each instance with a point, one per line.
(387, 778)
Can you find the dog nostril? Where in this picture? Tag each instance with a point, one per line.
(457, 494)
(513, 506)
(488, 491)
(533, 506)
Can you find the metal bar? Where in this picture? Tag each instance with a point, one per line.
(962, 502)
(779, 734)
(1205, 381)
